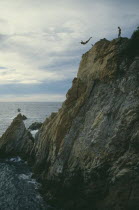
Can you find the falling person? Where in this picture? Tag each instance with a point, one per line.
(86, 41)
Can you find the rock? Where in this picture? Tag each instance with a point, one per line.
(16, 140)
(86, 154)
(24, 117)
(35, 126)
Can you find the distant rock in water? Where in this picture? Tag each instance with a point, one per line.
(35, 126)
(16, 140)
(24, 117)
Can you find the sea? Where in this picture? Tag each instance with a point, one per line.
(34, 111)
(18, 190)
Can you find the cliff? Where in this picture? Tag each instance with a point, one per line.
(87, 154)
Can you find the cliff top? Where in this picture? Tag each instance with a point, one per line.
(102, 59)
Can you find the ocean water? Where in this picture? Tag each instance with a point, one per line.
(18, 191)
(34, 111)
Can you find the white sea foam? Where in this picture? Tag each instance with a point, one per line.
(34, 132)
(35, 183)
(15, 159)
(28, 178)
(24, 176)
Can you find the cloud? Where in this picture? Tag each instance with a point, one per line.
(33, 98)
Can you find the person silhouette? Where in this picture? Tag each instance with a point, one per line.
(19, 110)
(82, 42)
(119, 32)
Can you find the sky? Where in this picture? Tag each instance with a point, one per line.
(40, 48)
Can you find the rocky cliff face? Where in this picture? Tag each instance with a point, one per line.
(87, 154)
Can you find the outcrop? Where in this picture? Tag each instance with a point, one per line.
(87, 154)
(17, 140)
(35, 126)
(24, 117)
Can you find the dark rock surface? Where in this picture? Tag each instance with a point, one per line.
(35, 126)
(24, 117)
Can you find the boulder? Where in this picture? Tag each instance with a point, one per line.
(24, 117)
(35, 126)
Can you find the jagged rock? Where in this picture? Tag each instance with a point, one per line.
(86, 154)
(35, 126)
(16, 140)
(24, 117)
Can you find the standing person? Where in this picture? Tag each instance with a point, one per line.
(119, 32)
(19, 110)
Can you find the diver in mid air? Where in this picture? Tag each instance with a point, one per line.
(86, 41)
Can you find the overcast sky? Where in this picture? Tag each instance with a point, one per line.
(39, 42)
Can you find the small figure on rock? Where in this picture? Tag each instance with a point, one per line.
(86, 41)
(119, 32)
(19, 110)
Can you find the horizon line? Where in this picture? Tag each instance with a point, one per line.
(31, 101)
